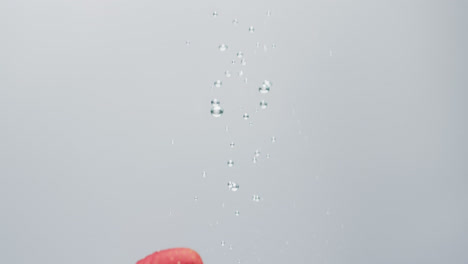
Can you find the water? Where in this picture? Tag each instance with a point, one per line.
(254, 160)
(232, 186)
(204, 174)
(230, 163)
(273, 139)
(235, 21)
(215, 13)
(218, 83)
(223, 47)
(241, 73)
(268, 155)
(243, 62)
(240, 54)
(237, 213)
(268, 13)
(263, 104)
(232, 145)
(217, 111)
(215, 102)
(187, 43)
(246, 116)
(195, 198)
(251, 29)
(256, 198)
(233, 61)
(223, 243)
(227, 73)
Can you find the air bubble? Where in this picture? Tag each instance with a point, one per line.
(265, 87)
(240, 54)
(263, 104)
(232, 186)
(223, 47)
(251, 29)
(218, 83)
(256, 198)
(230, 163)
(227, 73)
(246, 116)
(257, 153)
(217, 111)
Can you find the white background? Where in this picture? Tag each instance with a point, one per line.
(368, 106)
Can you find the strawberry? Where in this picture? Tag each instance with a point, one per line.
(173, 256)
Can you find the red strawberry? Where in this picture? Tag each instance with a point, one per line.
(173, 256)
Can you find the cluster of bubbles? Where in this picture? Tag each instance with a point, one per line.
(217, 111)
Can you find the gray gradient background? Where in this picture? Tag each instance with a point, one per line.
(370, 165)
